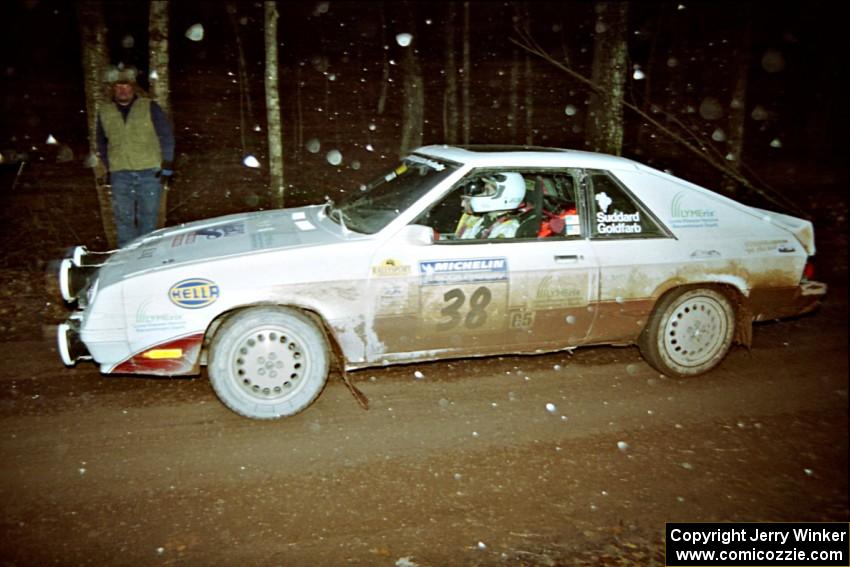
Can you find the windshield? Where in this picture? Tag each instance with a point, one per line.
(377, 203)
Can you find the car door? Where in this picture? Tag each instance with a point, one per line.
(636, 254)
(483, 296)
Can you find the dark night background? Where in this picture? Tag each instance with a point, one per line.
(474, 471)
(795, 137)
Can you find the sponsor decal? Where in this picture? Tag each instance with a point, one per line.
(757, 246)
(147, 252)
(553, 293)
(573, 227)
(261, 240)
(684, 216)
(389, 268)
(436, 272)
(147, 321)
(604, 201)
(430, 163)
(209, 233)
(193, 293)
(521, 319)
(616, 222)
(394, 300)
(705, 254)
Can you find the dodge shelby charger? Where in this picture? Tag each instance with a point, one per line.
(456, 252)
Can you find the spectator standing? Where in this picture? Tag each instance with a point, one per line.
(136, 143)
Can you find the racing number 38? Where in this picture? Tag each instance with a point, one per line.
(456, 310)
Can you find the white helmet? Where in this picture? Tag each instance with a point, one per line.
(501, 192)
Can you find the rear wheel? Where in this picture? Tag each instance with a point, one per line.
(268, 362)
(690, 332)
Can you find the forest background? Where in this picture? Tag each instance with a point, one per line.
(743, 98)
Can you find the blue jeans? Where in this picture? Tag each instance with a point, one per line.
(135, 202)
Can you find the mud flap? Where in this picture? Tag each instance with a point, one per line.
(337, 351)
(743, 325)
(355, 391)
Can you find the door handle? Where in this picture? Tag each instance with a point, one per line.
(568, 258)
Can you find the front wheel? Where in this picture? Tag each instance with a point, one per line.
(268, 362)
(689, 333)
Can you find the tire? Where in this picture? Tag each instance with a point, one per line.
(268, 362)
(689, 332)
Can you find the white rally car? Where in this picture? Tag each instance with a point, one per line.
(456, 252)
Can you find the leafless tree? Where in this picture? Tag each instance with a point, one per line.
(159, 77)
(92, 24)
(610, 59)
(467, 102)
(674, 128)
(413, 111)
(450, 108)
(528, 80)
(738, 107)
(273, 106)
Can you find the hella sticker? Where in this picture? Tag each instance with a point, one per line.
(193, 293)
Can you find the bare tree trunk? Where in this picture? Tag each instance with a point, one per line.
(158, 74)
(513, 93)
(528, 79)
(467, 102)
(413, 112)
(738, 107)
(673, 123)
(95, 60)
(273, 107)
(160, 80)
(245, 105)
(610, 60)
(450, 110)
(385, 73)
(651, 61)
(299, 116)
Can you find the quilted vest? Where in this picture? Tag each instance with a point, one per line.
(133, 145)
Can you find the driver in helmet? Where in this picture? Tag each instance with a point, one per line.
(490, 212)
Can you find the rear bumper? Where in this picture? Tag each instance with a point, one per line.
(778, 303)
(71, 347)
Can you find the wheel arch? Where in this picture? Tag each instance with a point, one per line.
(733, 287)
(315, 316)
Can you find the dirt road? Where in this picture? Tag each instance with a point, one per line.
(468, 465)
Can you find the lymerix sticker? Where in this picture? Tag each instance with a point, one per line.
(685, 215)
(435, 272)
(148, 319)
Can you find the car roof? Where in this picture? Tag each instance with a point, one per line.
(532, 156)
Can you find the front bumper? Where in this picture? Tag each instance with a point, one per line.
(76, 274)
(71, 347)
(77, 270)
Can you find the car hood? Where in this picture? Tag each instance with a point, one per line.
(220, 237)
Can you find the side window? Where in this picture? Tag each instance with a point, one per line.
(615, 213)
(507, 204)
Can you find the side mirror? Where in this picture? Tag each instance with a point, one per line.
(417, 234)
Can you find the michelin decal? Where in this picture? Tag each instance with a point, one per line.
(438, 272)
